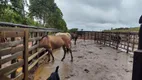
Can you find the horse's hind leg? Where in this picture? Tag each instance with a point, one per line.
(64, 53)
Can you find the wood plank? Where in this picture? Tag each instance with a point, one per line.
(36, 61)
(4, 34)
(3, 77)
(25, 56)
(2, 61)
(11, 67)
(33, 47)
(43, 30)
(34, 55)
(128, 40)
(10, 50)
(8, 73)
(19, 77)
(11, 29)
(35, 39)
(35, 30)
(11, 44)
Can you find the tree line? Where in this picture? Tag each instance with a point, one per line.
(42, 13)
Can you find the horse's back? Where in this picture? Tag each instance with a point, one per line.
(63, 34)
(51, 42)
(66, 37)
(56, 40)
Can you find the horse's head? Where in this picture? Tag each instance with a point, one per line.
(44, 41)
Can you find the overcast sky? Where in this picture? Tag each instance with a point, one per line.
(100, 14)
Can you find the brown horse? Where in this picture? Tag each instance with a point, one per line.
(54, 42)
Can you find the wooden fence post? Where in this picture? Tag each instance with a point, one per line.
(128, 41)
(91, 35)
(133, 44)
(13, 75)
(32, 36)
(25, 55)
(118, 40)
(88, 35)
(94, 33)
(84, 35)
(101, 37)
(97, 37)
(104, 37)
(109, 39)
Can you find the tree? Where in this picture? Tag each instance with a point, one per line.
(47, 13)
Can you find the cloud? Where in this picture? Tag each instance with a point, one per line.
(100, 14)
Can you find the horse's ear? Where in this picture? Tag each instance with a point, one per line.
(43, 37)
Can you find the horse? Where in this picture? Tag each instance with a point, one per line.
(67, 34)
(75, 36)
(50, 42)
(116, 38)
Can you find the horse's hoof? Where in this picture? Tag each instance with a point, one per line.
(52, 61)
(71, 60)
(48, 60)
(62, 59)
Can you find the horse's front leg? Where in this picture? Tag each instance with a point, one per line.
(64, 53)
(48, 55)
(71, 55)
(75, 41)
(50, 52)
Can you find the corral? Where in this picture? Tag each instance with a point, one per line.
(93, 57)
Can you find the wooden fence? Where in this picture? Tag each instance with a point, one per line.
(25, 50)
(128, 42)
(28, 54)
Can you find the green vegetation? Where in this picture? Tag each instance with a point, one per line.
(73, 30)
(13, 11)
(134, 29)
(45, 12)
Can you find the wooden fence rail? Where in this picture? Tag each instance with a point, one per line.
(21, 54)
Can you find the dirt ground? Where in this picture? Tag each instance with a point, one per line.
(91, 62)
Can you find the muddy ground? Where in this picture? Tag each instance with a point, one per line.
(91, 62)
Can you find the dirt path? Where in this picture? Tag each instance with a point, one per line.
(91, 62)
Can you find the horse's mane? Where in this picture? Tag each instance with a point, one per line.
(43, 37)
